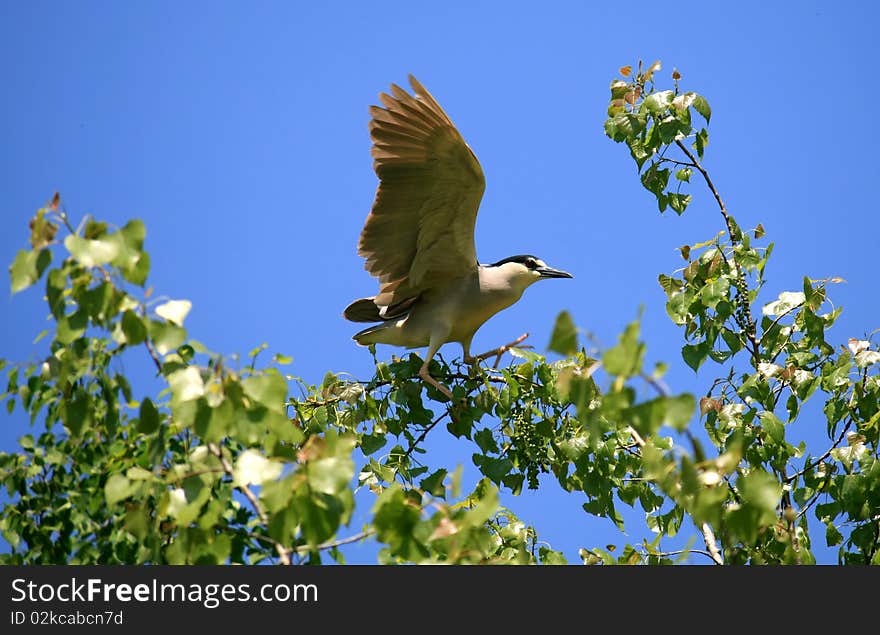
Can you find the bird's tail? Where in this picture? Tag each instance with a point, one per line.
(362, 310)
(371, 335)
(366, 310)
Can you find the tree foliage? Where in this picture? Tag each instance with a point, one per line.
(232, 460)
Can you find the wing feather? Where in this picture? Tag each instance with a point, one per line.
(420, 229)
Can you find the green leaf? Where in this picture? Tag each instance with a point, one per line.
(760, 494)
(701, 141)
(330, 475)
(625, 126)
(137, 473)
(268, 388)
(678, 307)
(27, 268)
(683, 174)
(76, 413)
(495, 469)
(118, 488)
(133, 262)
(148, 419)
(832, 536)
(638, 151)
(166, 336)
(55, 284)
(564, 337)
(486, 440)
(669, 284)
(678, 202)
(695, 354)
(574, 447)
(619, 88)
(679, 411)
(657, 103)
(91, 253)
(655, 179)
(702, 106)
(625, 359)
(72, 327)
(395, 521)
(321, 516)
(774, 427)
(433, 484)
(372, 442)
(761, 490)
(133, 328)
(714, 292)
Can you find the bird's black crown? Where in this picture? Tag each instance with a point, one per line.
(523, 259)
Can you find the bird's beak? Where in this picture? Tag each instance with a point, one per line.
(550, 272)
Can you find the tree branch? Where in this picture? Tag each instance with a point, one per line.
(335, 543)
(751, 330)
(674, 162)
(421, 437)
(705, 173)
(497, 352)
(153, 354)
(664, 554)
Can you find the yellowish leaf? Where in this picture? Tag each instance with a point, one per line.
(174, 311)
(857, 346)
(653, 68)
(707, 404)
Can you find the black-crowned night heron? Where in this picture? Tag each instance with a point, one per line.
(418, 239)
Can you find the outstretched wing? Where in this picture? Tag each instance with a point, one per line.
(420, 230)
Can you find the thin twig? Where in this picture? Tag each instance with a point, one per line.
(664, 554)
(776, 321)
(674, 162)
(421, 437)
(498, 352)
(656, 384)
(810, 466)
(283, 552)
(636, 436)
(702, 170)
(335, 543)
(153, 354)
(751, 331)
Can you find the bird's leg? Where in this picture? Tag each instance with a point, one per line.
(467, 358)
(496, 352)
(424, 374)
(433, 347)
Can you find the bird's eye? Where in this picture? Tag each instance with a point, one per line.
(531, 264)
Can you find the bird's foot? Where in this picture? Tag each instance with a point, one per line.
(497, 352)
(426, 376)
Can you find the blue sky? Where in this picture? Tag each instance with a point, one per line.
(238, 133)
